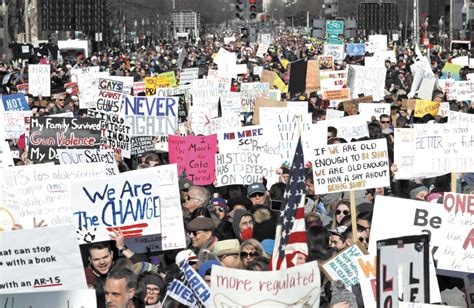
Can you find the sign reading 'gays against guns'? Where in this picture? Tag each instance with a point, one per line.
(351, 166)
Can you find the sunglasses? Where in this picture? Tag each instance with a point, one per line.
(252, 254)
(362, 239)
(257, 195)
(345, 212)
(196, 233)
(384, 122)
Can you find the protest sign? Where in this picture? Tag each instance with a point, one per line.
(464, 90)
(366, 81)
(15, 102)
(404, 155)
(181, 293)
(352, 106)
(425, 91)
(22, 88)
(292, 287)
(262, 50)
(342, 266)
(403, 270)
(261, 102)
(139, 87)
(409, 104)
(351, 166)
(225, 123)
(194, 155)
(297, 73)
(337, 94)
(6, 157)
(334, 50)
(206, 95)
(43, 191)
(49, 134)
(355, 49)
(39, 260)
(334, 114)
(241, 168)
(199, 120)
(348, 128)
(451, 71)
(141, 144)
(88, 84)
(326, 62)
(139, 202)
(366, 268)
(166, 80)
(150, 86)
(443, 110)
(374, 110)
(377, 43)
(250, 92)
(421, 305)
(15, 123)
(330, 80)
(109, 95)
(444, 148)
(312, 76)
(39, 79)
(449, 88)
(187, 75)
(115, 132)
(73, 298)
(274, 94)
(460, 117)
(423, 107)
(374, 62)
(223, 83)
(196, 283)
(448, 225)
(85, 156)
(151, 116)
(230, 104)
(76, 71)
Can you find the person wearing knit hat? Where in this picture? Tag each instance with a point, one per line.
(143, 267)
(239, 203)
(341, 295)
(154, 284)
(219, 207)
(419, 192)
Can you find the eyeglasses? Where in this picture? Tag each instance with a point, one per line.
(385, 122)
(152, 290)
(191, 198)
(221, 209)
(363, 239)
(196, 233)
(345, 212)
(257, 195)
(252, 254)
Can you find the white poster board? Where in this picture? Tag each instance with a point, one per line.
(39, 79)
(77, 298)
(89, 156)
(367, 81)
(374, 110)
(40, 260)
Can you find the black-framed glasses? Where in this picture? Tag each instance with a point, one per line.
(152, 290)
(345, 212)
(363, 239)
(385, 122)
(195, 233)
(252, 254)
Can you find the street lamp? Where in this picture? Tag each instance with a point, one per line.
(400, 26)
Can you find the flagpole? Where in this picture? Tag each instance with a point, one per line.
(353, 216)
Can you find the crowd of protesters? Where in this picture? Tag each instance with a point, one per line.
(234, 226)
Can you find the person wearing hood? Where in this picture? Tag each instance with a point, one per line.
(242, 225)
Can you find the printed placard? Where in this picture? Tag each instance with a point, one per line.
(151, 115)
(40, 260)
(85, 156)
(299, 285)
(194, 155)
(15, 102)
(43, 192)
(39, 79)
(141, 145)
(342, 266)
(140, 202)
(351, 166)
(444, 148)
(337, 95)
(49, 134)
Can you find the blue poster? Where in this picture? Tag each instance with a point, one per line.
(16, 102)
(355, 49)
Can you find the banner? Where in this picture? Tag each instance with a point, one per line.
(39, 79)
(342, 266)
(49, 134)
(351, 166)
(139, 202)
(75, 298)
(367, 81)
(423, 107)
(151, 116)
(109, 95)
(444, 148)
(403, 270)
(15, 102)
(449, 226)
(43, 191)
(194, 155)
(141, 145)
(40, 260)
(298, 286)
(84, 156)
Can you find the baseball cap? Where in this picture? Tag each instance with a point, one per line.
(184, 184)
(185, 255)
(255, 188)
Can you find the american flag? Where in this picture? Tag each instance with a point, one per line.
(290, 237)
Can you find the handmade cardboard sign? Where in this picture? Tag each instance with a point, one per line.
(423, 107)
(73, 298)
(139, 202)
(40, 260)
(366, 81)
(49, 134)
(296, 286)
(15, 123)
(39, 79)
(85, 156)
(351, 166)
(194, 155)
(15, 102)
(109, 95)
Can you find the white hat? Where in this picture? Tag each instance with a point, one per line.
(185, 255)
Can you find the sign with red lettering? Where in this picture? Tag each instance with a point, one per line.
(49, 134)
(297, 286)
(194, 156)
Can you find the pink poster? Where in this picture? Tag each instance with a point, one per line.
(194, 155)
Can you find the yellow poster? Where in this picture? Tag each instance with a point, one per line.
(166, 80)
(150, 85)
(423, 107)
